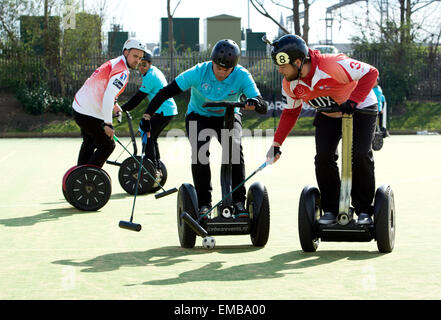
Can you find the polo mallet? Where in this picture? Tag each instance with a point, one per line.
(132, 136)
(237, 187)
(158, 195)
(195, 224)
(129, 225)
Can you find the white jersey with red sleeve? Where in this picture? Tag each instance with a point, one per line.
(97, 96)
(333, 79)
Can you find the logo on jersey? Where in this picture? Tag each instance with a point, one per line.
(206, 87)
(117, 83)
(299, 91)
(282, 58)
(123, 77)
(322, 102)
(232, 93)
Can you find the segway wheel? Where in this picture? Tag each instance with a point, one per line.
(88, 188)
(187, 202)
(377, 143)
(63, 184)
(309, 214)
(128, 176)
(162, 177)
(259, 210)
(384, 218)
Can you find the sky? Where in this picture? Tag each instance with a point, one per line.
(143, 16)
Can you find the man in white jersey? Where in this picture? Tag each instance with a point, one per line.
(96, 99)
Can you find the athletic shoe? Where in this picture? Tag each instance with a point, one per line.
(240, 211)
(364, 218)
(328, 218)
(203, 211)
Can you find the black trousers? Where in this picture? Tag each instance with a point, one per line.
(97, 146)
(158, 122)
(327, 137)
(200, 130)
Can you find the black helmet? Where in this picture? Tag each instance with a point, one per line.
(225, 53)
(289, 48)
(147, 56)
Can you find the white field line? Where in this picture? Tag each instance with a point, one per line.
(10, 154)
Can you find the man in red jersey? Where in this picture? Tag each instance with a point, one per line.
(329, 80)
(96, 99)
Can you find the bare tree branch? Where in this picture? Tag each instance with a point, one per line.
(265, 13)
(277, 3)
(177, 5)
(428, 3)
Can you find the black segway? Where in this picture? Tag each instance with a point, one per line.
(224, 222)
(87, 187)
(346, 229)
(128, 170)
(377, 142)
(380, 130)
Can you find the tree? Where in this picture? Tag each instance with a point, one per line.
(171, 40)
(10, 12)
(296, 14)
(408, 9)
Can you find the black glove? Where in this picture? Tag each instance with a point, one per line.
(252, 102)
(348, 107)
(273, 151)
(259, 106)
(124, 107)
(145, 125)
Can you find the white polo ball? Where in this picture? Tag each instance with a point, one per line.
(208, 242)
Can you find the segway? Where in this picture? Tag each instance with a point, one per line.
(224, 220)
(87, 187)
(377, 142)
(128, 170)
(380, 131)
(383, 226)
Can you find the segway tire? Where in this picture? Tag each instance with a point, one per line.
(187, 202)
(63, 184)
(259, 211)
(88, 188)
(377, 142)
(309, 214)
(385, 219)
(163, 174)
(128, 175)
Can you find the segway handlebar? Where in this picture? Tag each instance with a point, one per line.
(224, 104)
(337, 109)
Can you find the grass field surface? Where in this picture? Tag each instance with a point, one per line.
(50, 250)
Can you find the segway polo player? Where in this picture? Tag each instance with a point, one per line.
(220, 79)
(86, 186)
(345, 85)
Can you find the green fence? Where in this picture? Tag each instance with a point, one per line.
(69, 74)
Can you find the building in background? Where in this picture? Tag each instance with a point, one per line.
(221, 27)
(254, 43)
(185, 33)
(116, 39)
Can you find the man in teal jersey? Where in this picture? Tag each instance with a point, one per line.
(153, 80)
(220, 79)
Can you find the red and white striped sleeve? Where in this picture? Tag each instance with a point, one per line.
(365, 74)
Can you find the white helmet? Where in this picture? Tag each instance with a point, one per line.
(133, 44)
